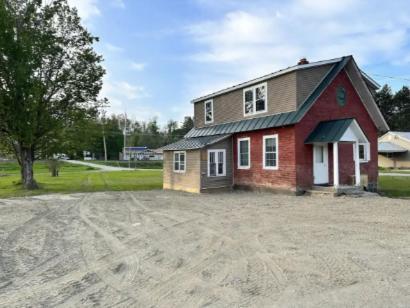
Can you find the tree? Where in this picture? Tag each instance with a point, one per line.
(187, 125)
(395, 107)
(401, 102)
(50, 76)
(384, 100)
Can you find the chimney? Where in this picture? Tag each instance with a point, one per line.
(303, 61)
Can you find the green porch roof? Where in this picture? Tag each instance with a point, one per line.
(329, 131)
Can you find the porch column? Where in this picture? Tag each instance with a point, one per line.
(335, 164)
(356, 163)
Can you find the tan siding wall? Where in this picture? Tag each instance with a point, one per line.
(308, 79)
(188, 181)
(229, 107)
(398, 160)
(218, 181)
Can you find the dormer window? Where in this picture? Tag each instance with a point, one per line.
(209, 111)
(255, 99)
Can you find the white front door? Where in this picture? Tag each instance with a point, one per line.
(320, 164)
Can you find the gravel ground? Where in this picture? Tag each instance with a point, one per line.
(170, 249)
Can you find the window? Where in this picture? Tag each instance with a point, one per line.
(209, 111)
(244, 161)
(364, 152)
(270, 152)
(216, 163)
(179, 161)
(254, 99)
(319, 154)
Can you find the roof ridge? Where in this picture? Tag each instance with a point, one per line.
(274, 74)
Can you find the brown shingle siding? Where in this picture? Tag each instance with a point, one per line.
(219, 181)
(308, 79)
(228, 107)
(188, 181)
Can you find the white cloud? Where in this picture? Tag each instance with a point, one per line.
(113, 48)
(122, 90)
(86, 8)
(138, 66)
(118, 3)
(124, 96)
(250, 41)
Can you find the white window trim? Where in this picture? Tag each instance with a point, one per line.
(212, 108)
(249, 153)
(253, 88)
(217, 161)
(173, 161)
(366, 152)
(264, 152)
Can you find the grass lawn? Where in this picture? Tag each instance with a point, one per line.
(394, 171)
(137, 164)
(395, 186)
(76, 178)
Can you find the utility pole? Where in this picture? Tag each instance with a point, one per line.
(103, 131)
(125, 135)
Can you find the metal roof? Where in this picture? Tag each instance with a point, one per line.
(389, 147)
(266, 77)
(276, 120)
(280, 73)
(405, 135)
(194, 143)
(329, 131)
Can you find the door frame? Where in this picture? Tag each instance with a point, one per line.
(325, 162)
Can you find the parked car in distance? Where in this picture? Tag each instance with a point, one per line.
(61, 156)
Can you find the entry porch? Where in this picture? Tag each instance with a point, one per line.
(339, 147)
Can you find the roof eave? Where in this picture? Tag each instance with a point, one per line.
(266, 77)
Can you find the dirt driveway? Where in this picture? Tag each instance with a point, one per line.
(168, 249)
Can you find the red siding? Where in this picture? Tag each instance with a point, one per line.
(284, 177)
(324, 109)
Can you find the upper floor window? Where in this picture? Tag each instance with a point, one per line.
(179, 161)
(209, 111)
(270, 152)
(255, 99)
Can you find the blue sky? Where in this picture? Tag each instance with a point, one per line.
(160, 54)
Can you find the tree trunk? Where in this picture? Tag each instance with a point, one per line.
(27, 161)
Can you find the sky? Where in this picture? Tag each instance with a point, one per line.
(161, 54)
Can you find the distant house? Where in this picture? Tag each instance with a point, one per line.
(394, 150)
(141, 153)
(308, 125)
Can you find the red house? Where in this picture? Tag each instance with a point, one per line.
(312, 124)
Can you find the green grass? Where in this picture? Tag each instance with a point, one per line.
(11, 168)
(395, 186)
(394, 171)
(76, 178)
(138, 164)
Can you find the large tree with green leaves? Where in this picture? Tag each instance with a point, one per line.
(395, 107)
(50, 76)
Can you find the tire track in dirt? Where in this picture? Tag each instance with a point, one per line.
(27, 228)
(128, 263)
(266, 275)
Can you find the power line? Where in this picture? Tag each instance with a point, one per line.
(392, 77)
